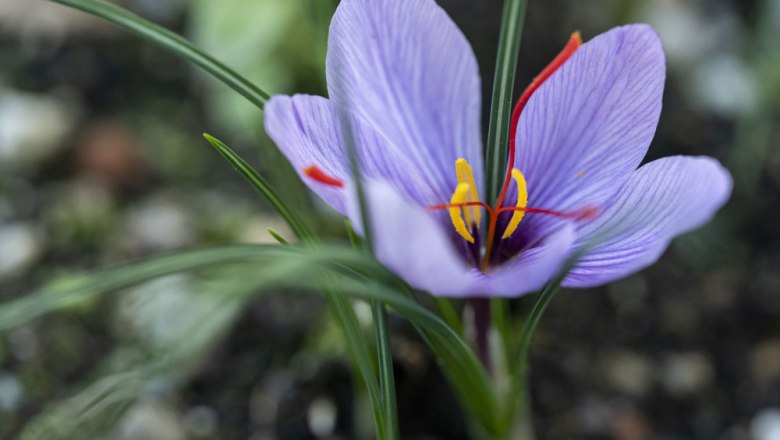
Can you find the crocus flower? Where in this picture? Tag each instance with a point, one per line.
(407, 80)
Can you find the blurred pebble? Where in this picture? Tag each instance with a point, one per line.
(726, 85)
(321, 417)
(159, 224)
(20, 247)
(629, 293)
(80, 211)
(594, 416)
(11, 392)
(263, 408)
(110, 152)
(32, 128)
(685, 33)
(766, 425)
(679, 316)
(364, 314)
(686, 373)
(720, 289)
(627, 372)
(630, 424)
(36, 18)
(23, 343)
(151, 421)
(201, 421)
(765, 362)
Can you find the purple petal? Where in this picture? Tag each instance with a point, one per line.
(663, 198)
(534, 267)
(307, 130)
(410, 242)
(587, 128)
(405, 68)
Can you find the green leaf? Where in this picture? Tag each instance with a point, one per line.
(299, 227)
(63, 294)
(464, 371)
(207, 308)
(293, 266)
(171, 42)
(341, 308)
(501, 102)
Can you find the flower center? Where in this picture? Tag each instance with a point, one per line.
(465, 209)
(465, 197)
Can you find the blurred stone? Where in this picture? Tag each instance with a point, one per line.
(151, 421)
(629, 293)
(201, 421)
(679, 315)
(720, 289)
(594, 416)
(159, 224)
(11, 392)
(683, 30)
(41, 18)
(21, 247)
(32, 128)
(765, 362)
(690, 33)
(321, 417)
(23, 343)
(766, 425)
(82, 211)
(686, 373)
(263, 408)
(726, 85)
(162, 312)
(627, 372)
(110, 151)
(630, 424)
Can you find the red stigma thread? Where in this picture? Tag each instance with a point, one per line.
(575, 41)
(587, 213)
(316, 174)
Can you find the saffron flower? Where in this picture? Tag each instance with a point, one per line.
(407, 80)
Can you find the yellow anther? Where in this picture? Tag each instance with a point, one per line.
(459, 196)
(522, 202)
(472, 213)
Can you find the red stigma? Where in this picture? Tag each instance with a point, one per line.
(587, 213)
(575, 41)
(316, 174)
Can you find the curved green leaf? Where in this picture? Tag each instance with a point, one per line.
(501, 102)
(171, 42)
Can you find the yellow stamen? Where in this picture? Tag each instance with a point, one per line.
(522, 202)
(459, 196)
(473, 213)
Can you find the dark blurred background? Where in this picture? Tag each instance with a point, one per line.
(102, 161)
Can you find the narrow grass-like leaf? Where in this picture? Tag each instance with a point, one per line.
(298, 226)
(65, 293)
(384, 354)
(276, 236)
(340, 307)
(464, 371)
(171, 42)
(290, 266)
(501, 102)
(448, 311)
